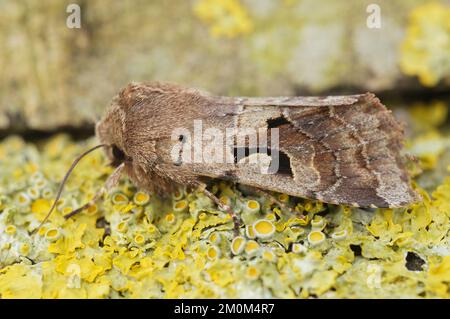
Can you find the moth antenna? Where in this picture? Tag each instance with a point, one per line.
(63, 182)
(111, 182)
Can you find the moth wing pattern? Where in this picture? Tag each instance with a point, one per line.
(341, 150)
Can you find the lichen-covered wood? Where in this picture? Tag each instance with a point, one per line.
(53, 76)
(133, 244)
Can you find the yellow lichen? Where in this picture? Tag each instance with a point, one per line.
(226, 18)
(425, 50)
(185, 246)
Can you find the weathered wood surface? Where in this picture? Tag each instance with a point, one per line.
(53, 76)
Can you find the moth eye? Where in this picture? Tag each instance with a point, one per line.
(118, 154)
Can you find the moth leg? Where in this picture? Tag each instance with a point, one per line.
(225, 208)
(111, 182)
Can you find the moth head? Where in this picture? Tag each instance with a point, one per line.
(110, 131)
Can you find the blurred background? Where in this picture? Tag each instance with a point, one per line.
(56, 77)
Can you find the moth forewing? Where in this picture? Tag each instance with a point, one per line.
(342, 150)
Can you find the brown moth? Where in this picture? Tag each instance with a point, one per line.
(336, 149)
(339, 149)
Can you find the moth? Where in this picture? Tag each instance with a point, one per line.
(337, 149)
